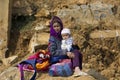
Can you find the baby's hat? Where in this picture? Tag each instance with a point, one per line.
(65, 30)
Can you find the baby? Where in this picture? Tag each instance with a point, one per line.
(67, 39)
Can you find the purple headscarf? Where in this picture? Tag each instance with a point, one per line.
(52, 31)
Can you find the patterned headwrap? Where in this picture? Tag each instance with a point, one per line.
(52, 31)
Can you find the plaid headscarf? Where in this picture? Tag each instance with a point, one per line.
(52, 31)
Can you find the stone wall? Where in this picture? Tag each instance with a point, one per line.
(4, 25)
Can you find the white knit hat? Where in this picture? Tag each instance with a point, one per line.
(65, 30)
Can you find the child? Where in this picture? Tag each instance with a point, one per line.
(67, 40)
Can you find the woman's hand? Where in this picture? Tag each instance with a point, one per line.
(70, 54)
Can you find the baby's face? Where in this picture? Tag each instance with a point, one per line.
(65, 36)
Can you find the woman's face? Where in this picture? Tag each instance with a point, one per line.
(56, 27)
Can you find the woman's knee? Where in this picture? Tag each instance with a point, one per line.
(76, 52)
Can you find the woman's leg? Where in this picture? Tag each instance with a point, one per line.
(77, 64)
(77, 60)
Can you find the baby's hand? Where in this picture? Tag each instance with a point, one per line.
(70, 55)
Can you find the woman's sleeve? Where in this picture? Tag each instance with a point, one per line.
(54, 51)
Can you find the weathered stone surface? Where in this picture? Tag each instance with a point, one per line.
(11, 73)
(105, 34)
(22, 7)
(4, 25)
(96, 75)
(65, 78)
(86, 14)
(9, 60)
(42, 12)
(38, 40)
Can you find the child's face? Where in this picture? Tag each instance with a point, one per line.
(56, 27)
(65, 36)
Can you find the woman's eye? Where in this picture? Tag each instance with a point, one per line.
(56, 26)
